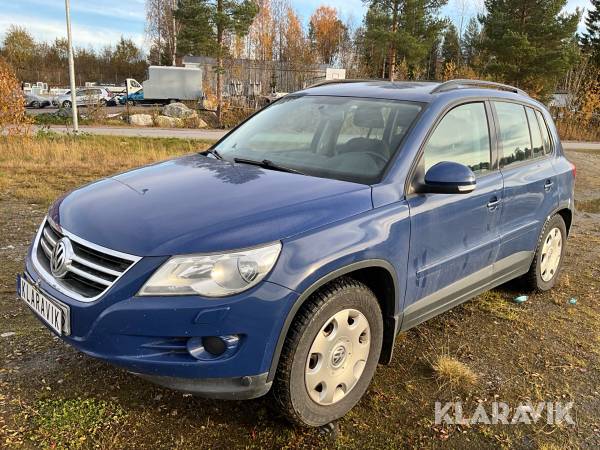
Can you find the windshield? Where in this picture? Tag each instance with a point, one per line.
(344, 138)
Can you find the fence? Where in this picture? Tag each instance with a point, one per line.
(248, 82)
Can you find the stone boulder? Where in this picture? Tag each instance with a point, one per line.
(141, 120)
(178, 111)
(168, 122)
(195, 122)
(64, 112)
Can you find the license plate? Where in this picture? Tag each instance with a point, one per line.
(52, 312)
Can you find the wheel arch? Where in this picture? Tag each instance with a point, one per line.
(567, 216)
(377, 274)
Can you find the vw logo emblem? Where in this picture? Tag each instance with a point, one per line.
(338, 356)
(61, 258)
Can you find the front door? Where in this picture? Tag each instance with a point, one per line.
(454, 237)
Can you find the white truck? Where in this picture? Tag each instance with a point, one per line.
(130, 85)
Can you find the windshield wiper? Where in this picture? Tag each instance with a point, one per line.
(267, 164)
(213, 152)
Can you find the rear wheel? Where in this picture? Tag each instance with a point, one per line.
(330, 354)
(66, 104)
(547, 262)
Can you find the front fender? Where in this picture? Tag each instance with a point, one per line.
(377, 238)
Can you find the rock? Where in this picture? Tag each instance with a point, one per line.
(195, 122)
(168, 122)
(141, 120)
(64, 112)
(179, 111)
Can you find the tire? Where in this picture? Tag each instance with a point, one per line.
(545, 271)
(341, 307)
(66, 104)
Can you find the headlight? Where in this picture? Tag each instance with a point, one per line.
(212, 275)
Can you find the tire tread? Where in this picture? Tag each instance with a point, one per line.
(281, 391)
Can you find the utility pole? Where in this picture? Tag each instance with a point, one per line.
(71, 68)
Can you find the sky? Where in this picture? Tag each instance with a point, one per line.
(97, 23)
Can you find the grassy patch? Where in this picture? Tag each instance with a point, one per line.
(39, 169)
(493, 303)
(74, 423)
(54, 119)
(592, 206)
(450, 371)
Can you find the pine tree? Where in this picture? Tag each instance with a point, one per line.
(451, 45)
(471, 41)
(222, 17)
(529, 43)
(590, 41)
(407, 29)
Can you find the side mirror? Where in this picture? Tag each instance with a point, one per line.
(449, 178)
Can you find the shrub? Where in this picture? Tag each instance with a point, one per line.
(13, 119)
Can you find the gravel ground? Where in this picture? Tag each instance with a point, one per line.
(545, 349)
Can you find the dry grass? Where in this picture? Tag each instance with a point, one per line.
(497, 304)
(450, 371)
(39, 169)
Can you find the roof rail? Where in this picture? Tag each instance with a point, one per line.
(457, 84)
(338, 81)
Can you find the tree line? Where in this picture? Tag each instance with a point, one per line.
(529, 43)
(34, 61)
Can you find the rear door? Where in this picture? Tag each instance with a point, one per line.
(530, 186)
(454, 237)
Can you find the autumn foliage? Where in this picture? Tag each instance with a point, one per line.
(327, 33)
(13, 119)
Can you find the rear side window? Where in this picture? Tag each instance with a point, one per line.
(514, 133)
(545, 134)
(461, 136)
(536, 134)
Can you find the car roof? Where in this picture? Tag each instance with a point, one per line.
(417, 91)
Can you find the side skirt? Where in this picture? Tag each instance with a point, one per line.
(466, 288)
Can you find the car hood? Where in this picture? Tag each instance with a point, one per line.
(197, 204)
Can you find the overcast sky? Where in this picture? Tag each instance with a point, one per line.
(98, 23)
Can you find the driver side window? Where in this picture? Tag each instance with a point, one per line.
(462, 136)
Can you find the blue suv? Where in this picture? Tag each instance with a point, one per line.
(289, 256)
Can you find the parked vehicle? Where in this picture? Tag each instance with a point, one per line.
(290, 255)
(172, 84)
(36, 101)
(133, 99)
(129, 85)
(85, 97)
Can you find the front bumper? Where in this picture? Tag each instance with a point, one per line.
(148, 336)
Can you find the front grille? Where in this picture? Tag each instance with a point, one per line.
(92, 270)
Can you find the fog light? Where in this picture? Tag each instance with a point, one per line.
(214, 345)
(209, 348)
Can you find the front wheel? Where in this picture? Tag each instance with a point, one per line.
(330, 354)
(66, 104)
(548, 260)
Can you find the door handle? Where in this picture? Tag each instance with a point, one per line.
(493, 203)
(548, 185)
